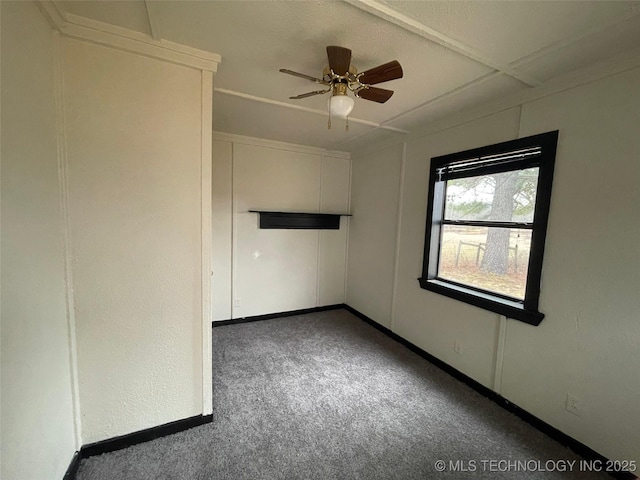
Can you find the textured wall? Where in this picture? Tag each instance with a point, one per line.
(588, 342)
(222, 218)
(265, 271)
(372, 235)
(332, 244)
(275, 270)
(590, 337)
(37, 418)
(433, 321)
(134, 154)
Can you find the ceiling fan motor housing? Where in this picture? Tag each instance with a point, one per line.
(339, 88)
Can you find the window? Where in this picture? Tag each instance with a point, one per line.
(486, 225)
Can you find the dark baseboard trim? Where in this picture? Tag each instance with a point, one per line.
(427, 356)
(72, 471)
(271, 316)
(560, 437)
(124, 441)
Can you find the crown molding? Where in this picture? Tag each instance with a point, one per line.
(81, 28)
(291, 147)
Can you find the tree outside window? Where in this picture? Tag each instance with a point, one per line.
(486, 225)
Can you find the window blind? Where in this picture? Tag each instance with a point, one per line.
(473, 167)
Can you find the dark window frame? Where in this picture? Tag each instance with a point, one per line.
(526, 310)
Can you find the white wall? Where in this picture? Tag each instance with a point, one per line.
(134, 127)
(332, 244)
(37, 414)
(591, 281)
(429, 320)
(588, 342)
(372, 234)
(260, 271)
(221, 226)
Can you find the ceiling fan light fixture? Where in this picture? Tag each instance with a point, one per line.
(340, 105)
(340, 77)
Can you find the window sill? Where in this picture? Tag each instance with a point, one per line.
(510, 309)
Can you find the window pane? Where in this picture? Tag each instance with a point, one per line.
(499, 197)
(492, 259)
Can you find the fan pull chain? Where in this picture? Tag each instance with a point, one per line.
(346, 127)
(329, 123)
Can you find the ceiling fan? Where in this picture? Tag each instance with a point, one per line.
(340, 76)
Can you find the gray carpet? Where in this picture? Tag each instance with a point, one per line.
(326, 396)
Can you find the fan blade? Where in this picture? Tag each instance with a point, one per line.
(339, 59)
(375, 94)
(382, 73)
(309, 94)
(302, 75)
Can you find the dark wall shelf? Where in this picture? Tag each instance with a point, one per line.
(295, 220)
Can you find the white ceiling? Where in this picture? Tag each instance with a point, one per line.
(455, 55)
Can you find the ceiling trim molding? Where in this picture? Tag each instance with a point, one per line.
(53, 13)
(278, 103)
(391, 15)
(142, 37)
(393, 141)
(82, 28)
(134, 46)
(154, 19)
(554, 47)
(616, 65)
(632, 12)
(290, 147)
(465, 86)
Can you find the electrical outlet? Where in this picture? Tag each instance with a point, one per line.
(237, 302)
(573, 405)
(456, 347)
